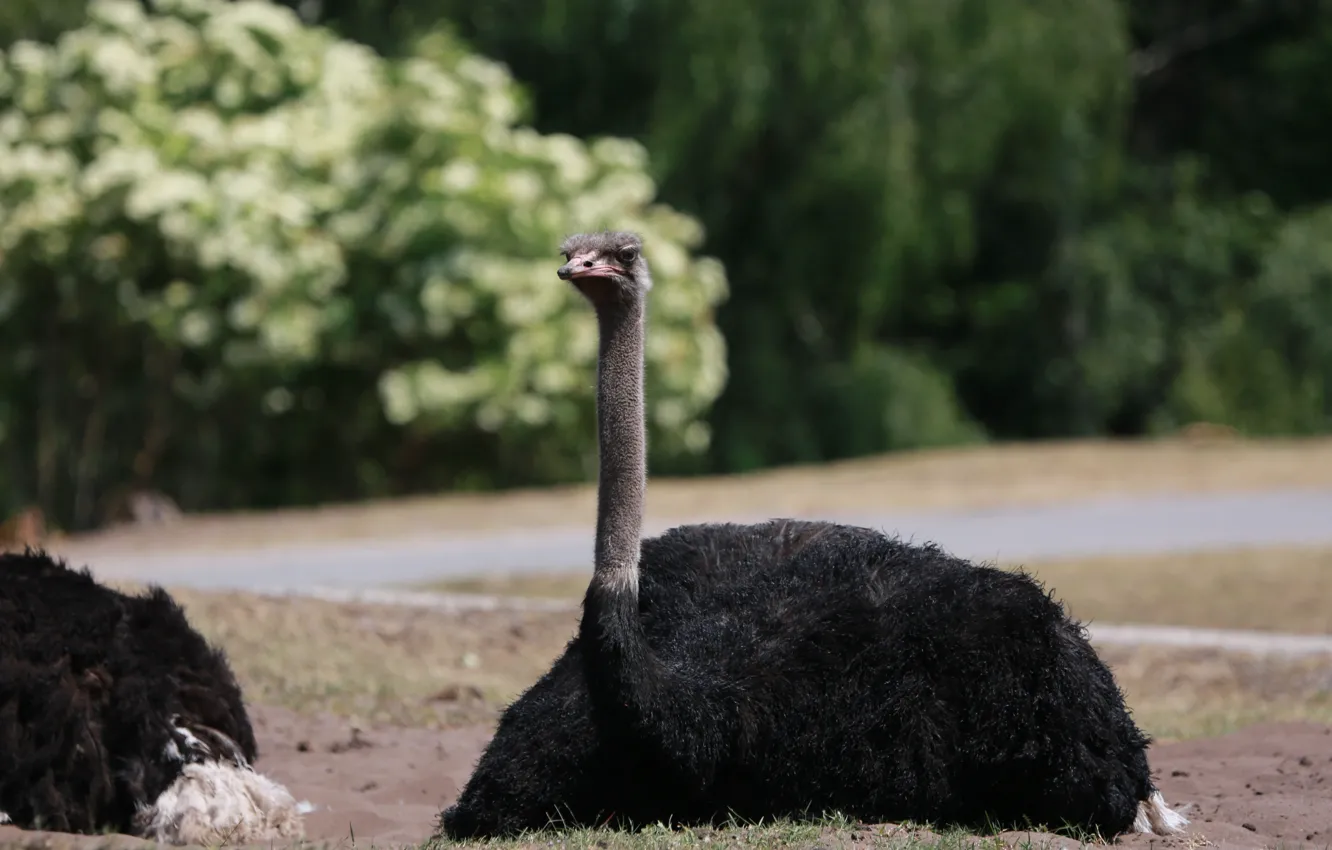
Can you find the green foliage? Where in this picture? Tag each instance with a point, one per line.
(941, 221)
(1203, 310)
(251, 263)
(38, 20)
(1058, 210)
(1268, 359)
(1158, 281)
(868, 172)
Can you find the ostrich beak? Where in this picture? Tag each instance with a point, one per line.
(584, 266)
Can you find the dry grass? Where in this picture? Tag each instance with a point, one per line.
(379, 663)
(417, 666)
(973, 477)
(1196, 693)
(565, 584)
(1276, 589)
(1279, 589)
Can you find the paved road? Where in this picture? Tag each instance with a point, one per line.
(1103, 527)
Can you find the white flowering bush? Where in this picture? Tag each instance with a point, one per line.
(256, 246)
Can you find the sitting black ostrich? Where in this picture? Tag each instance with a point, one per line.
(117, 716)
(795, 668)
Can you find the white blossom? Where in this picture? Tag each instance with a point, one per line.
(291, 187)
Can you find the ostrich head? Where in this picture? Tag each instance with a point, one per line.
(607, 267)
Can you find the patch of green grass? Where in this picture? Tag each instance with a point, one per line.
(831, 832)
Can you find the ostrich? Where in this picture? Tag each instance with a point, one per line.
(116, 715)
(792, 668)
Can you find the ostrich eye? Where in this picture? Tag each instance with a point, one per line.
(627, 255)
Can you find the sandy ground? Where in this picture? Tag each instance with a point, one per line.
(1267, 785)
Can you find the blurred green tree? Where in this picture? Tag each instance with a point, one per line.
(941, 184)
(251, 264)
(874, 175)
(38, 20)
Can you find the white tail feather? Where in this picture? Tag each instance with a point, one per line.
(1156, 818)
(221, 802)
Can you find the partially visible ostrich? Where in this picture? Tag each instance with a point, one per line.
(24, 529)
(790, 668)
(116, 715)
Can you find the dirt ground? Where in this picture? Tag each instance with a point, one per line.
(1267, 785)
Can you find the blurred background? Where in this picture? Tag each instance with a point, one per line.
(262, 254)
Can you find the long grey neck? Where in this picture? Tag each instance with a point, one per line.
(622, 439)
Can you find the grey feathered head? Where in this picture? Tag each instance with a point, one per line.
(607, 265)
